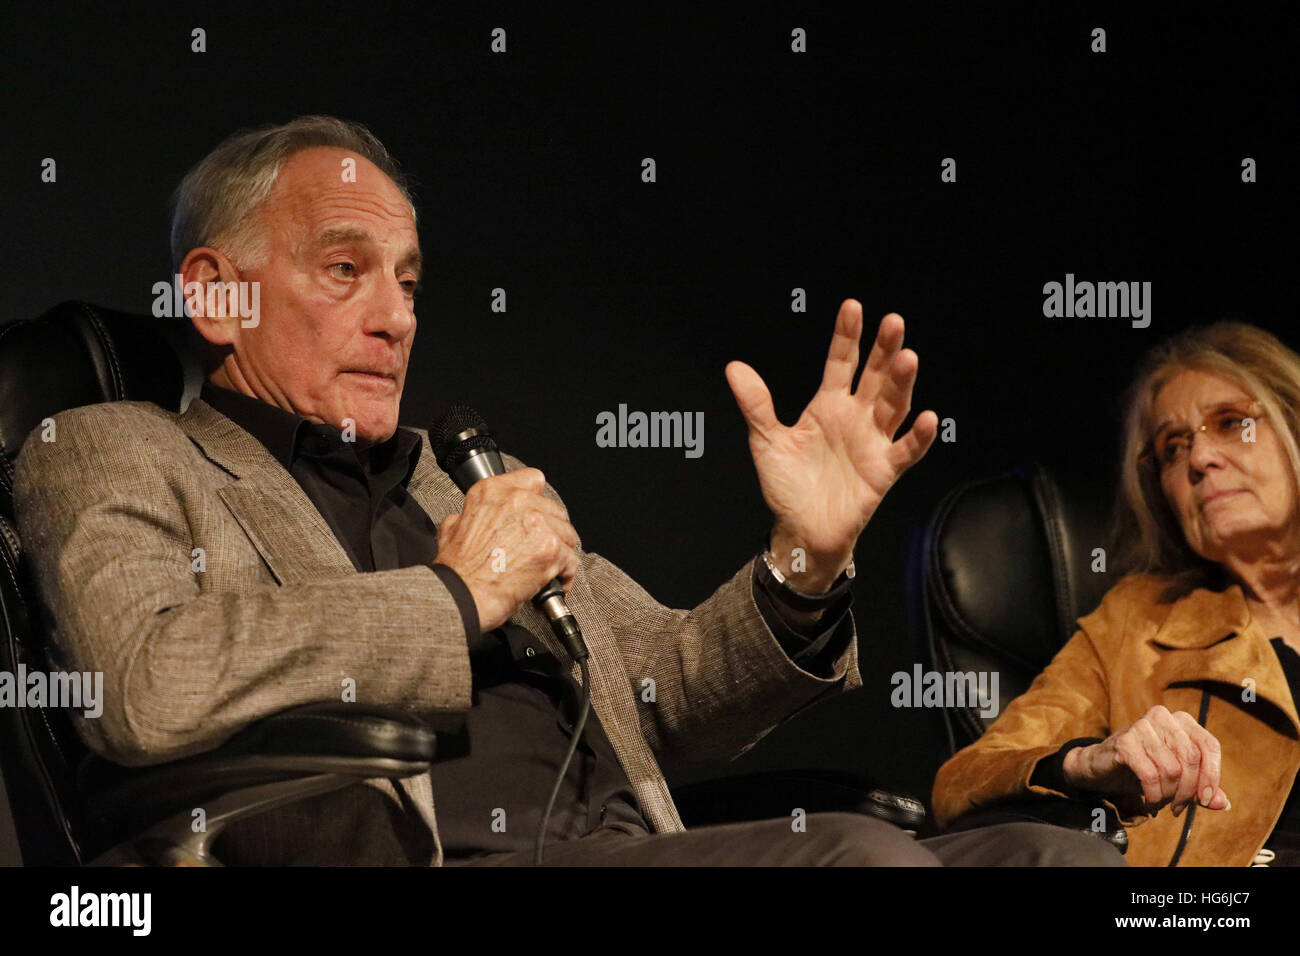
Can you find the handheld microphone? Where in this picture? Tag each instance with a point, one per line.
(466, 450)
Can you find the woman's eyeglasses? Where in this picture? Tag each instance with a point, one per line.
(1223, 426)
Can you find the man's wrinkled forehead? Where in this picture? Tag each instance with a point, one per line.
(316, 194)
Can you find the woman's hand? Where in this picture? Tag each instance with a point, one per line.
(1160, 759)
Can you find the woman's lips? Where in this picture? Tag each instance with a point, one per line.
(1220, 496)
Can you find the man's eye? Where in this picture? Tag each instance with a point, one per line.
(343, 265)
(412, 286)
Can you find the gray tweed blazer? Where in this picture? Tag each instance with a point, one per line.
(112, 512)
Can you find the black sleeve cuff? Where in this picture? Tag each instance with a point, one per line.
(464, 602)
(1050, 772)
(814, 648)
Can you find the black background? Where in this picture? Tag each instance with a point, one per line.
(776, 170)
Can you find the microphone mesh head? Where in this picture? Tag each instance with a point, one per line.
(451, 453)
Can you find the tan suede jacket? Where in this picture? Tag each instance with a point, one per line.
(1143, 646)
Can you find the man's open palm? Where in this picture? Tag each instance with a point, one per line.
(825, 476)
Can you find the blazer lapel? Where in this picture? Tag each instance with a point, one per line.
(271, 507)
(1209, 638)
(276, 514)
(429, 485)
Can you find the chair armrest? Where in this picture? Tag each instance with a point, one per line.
(288, 756)
(1057, 811)
(761, 796)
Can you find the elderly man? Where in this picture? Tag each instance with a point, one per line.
(337, 555)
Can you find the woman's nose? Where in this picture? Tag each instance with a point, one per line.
(1204, 452)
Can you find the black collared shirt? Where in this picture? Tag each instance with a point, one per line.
(524, 702)
(360, 494)
(1285, 838)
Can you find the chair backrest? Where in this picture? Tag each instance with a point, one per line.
(75, 354)
(997, 579)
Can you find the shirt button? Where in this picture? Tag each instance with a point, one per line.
(529, 652)
(604, 812)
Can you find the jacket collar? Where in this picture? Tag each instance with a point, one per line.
(1212, 639)
(267, 501)
(288, 437)
(1203, 618)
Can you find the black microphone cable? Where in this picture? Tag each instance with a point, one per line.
(538, 849)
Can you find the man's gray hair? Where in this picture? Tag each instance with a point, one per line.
(217, 202)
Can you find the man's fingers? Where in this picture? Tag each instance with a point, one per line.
(842, 359)
(911, 448)
(895, 399)
(889, 339)
(526, 485)
(535, 501)
(567, 567)
(529, 479)
(565, 531)
(752, 396)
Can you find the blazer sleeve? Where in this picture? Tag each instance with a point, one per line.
(106, 529)
(721, 680)
(1068, 700)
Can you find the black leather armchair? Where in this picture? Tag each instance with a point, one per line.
(71, 807)
(996, 580)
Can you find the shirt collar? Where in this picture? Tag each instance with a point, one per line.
(288, 436)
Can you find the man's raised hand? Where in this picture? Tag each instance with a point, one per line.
(824, 476)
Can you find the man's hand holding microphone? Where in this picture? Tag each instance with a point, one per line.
(508, 543)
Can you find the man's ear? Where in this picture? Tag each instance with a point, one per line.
(205, 275)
